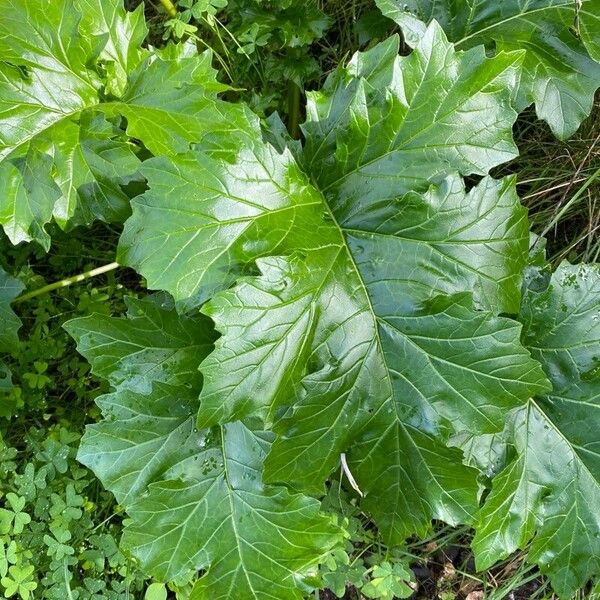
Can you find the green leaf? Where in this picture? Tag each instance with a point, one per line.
(489, 453)
(148, 452)
(338, 345)
(588, 25)
(389, 581)
(52, 85)
(207, 483)
(216, 514)
(273, 342)
(156, 591)
(20, 581)
(62, 62)
(550, 492)
(153, 344)
(121, 34)
(384, 125)
(561, 324)
(226, 213)
(10, 288)
(42, 37)
(30, 195)
(57, 544)
(170, 101)
(90, 160)
(194, 226)
(560, 71)
(13, 518)
(140, 438)
(7, 556)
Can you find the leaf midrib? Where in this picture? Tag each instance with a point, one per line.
(238, 538)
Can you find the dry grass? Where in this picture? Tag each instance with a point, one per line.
(559, 181)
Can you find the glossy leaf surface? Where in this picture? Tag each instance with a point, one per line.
(195, 498)
(352, 299)
(549, 494)
(152, 344)
(91, 159)
(216, 219)
(338, 345)
(60, 64)
(259, 540)
(346, 296)
(561, 71)
(384, 125)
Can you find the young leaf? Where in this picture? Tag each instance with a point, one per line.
(551, 490)
(561, 70)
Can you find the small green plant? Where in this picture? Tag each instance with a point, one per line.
(364, 564)
(266, 47)
(19, 581)
(51, 544)
(197, 10)
(59, 531)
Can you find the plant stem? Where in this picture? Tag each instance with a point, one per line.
(294, 110)
(67, 282)
(170, 8)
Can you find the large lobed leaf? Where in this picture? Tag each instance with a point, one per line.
(357, 287)
(61, 63)
(561, 71)
(371, 328)
(198, 242)
(551, 491)
(54, 81)
(195, 498)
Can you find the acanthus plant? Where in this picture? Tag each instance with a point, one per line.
(347, 294)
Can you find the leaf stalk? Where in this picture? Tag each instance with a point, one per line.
(169, 7)
(294, 94)
(67, 282)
